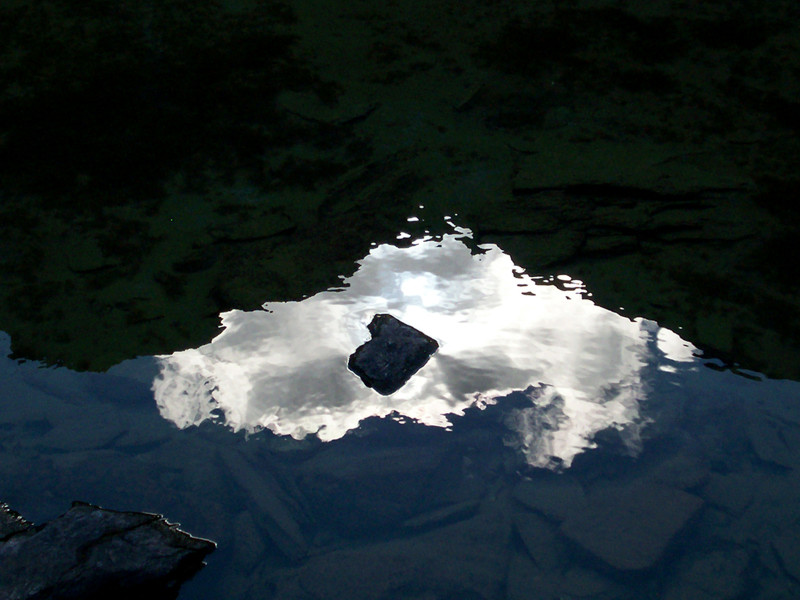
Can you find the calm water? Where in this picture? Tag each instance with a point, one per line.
(161, 161)
(498, 331)
(549, 449)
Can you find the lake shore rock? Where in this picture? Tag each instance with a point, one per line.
(91, 553)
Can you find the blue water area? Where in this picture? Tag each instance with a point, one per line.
(550, 448)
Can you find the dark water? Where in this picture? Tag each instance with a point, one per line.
(591, 206)
(550, 449)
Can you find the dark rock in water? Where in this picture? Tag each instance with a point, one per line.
(395, 352)
(11, 522)
(90, 553)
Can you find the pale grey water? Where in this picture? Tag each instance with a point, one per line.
(283, 368)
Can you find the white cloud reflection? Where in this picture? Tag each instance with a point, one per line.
(285, 368)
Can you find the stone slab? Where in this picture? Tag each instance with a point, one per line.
(629, 527)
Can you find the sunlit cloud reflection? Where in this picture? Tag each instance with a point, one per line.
(499, 330)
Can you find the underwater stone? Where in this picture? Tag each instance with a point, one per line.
(273, 515)
(395, 352)
(775, 441)
(629, 528)
(538, 536)
(787, 547)
(715, 575)
(465, 560)
(554, 497)
(91, 553)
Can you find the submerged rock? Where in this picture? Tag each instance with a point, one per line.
(395, 352)
(787, 548)
(555, 497)
(468, 559)
(630, 528)
(270, 506)
(92, 553)
(714, 575)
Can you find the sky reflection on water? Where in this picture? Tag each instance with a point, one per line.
(499, 330)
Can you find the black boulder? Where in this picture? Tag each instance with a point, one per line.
(90, 553)
(395, 352)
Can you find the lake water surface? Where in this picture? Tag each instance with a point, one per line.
(181, 184)
(550, 448)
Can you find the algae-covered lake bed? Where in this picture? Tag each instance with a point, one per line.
(589, 207)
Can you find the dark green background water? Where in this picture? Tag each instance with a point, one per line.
(162, 162)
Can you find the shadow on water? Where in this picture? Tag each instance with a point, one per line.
(105, 104)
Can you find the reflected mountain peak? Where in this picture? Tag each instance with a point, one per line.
(285, 367)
